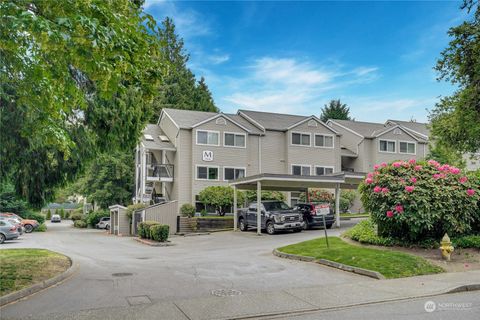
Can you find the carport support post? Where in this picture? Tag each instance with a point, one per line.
(337, 205)
(259, 205)
(235, 217)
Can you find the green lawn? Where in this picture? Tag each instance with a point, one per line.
(391, 264)
(20, 268)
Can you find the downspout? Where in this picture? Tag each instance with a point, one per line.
(260, 154)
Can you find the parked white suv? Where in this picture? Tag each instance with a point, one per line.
(104, 223)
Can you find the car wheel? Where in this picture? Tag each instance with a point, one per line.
(28, 228)
(270, 227)
(107, 227)
(2, 238)
(329, 226)
(242, 225)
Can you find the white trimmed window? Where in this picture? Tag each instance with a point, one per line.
(321, 171)
(407, 147)
(323, 141)
(300, 170)
(233, 173)
(300, 139)
(234, 140)
(208, 137)
(207, 173)
(387, 146)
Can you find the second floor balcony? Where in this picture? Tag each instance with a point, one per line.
(160, 172)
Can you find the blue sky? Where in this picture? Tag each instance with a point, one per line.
(293, 57)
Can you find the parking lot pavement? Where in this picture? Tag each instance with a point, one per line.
(120, 272)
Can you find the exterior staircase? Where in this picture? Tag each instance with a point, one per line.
(185, 226)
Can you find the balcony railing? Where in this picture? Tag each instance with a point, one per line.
(160, 172)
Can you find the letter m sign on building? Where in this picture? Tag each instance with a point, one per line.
(207, 155)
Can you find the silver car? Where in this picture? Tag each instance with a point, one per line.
(104, 223)
(16, 222)
(8, 231)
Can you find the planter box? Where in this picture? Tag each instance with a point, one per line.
(205, 224)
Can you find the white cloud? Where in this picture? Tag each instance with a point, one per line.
(218, 59)
(289, 85)
(189, 23)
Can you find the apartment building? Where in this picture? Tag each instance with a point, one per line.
(187, 151)
(363, 144)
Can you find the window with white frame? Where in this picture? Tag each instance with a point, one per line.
(233, 173)
(300, 170)
(387, 146)
(208, 137)
(207, 173)
(324, 141)
(301, 139)
(407, 147)
(234, 140)
(321, 171)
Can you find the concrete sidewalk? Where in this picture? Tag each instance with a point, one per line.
(288, 301)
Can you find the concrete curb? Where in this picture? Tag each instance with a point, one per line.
(39, 286)
(333, 264)
(154, 243)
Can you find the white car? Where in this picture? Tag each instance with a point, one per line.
(56, 218)
(104, 223)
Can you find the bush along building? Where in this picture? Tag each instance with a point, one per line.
(187, 151)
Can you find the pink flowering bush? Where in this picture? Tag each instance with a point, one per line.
(422, 199)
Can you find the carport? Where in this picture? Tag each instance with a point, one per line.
(290, 182)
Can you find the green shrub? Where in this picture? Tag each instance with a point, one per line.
(80, 224)
(159, 232)
(49, 214)
(203, 213)
(76, 216)
(365, 232)
(219, 197)
(416, 201)
(41, 228)
(33, 216)
(144, 229)
(62, 213)
(134, 207)
(187, 210)
(94, 217)
(472, 241)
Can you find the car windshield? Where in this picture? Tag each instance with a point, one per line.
(270, 206)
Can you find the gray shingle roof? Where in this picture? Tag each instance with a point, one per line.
(155, 131)
(366, 129)
(415, 126)
(273, 121)
(185, 119)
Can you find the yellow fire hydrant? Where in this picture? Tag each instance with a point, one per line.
(446, 247)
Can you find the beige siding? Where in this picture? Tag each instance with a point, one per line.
(313, 156)
(169, 128)
(165, 213)
(388, 157)
(223, 156)
(182, 185)
(273, 151)
(253, 155)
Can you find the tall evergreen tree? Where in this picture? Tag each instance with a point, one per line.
(203, 97)
(180, 90)
(335, 110)
(456, 119)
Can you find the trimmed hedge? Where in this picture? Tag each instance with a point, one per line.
(365, 232)
(80, 224)
(153, 230)
(472, 241)
(159, 232)
(76, 216)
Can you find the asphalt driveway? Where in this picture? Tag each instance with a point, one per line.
(120, 272)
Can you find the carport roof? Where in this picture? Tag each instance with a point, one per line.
(290, 182)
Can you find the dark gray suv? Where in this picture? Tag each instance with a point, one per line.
(276, 216)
